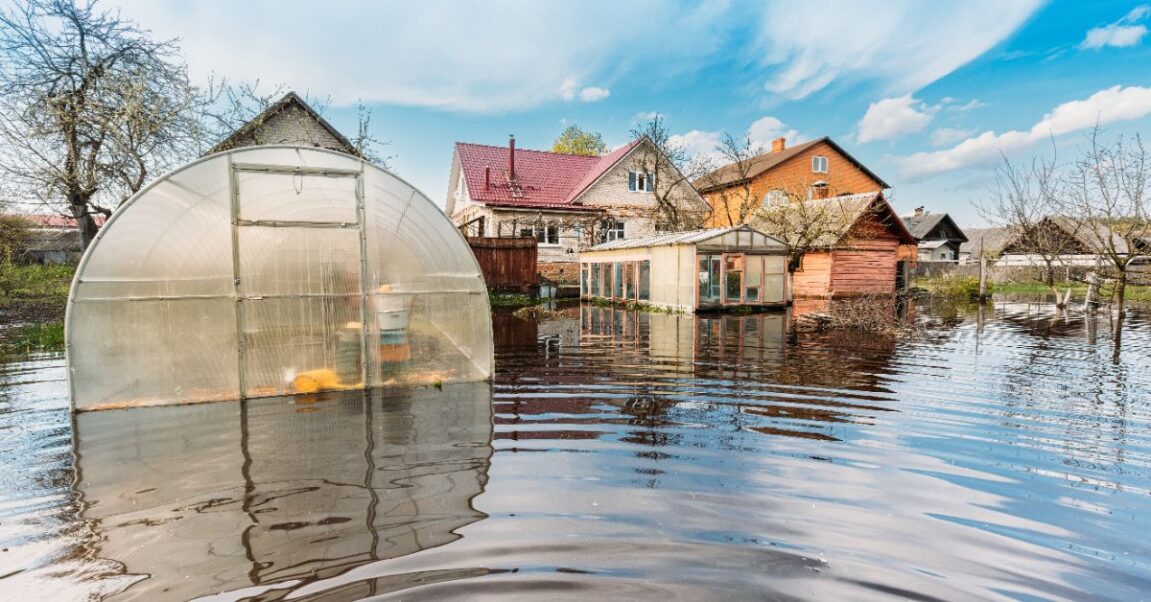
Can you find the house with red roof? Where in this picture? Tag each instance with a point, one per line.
(566, 202)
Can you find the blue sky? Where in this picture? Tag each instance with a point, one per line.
(927, 94)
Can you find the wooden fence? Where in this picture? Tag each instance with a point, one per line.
(507, 263)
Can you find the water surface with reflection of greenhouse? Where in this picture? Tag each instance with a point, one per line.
(1004, 454)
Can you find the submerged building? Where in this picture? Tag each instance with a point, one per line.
(689, 271)
(272, 270)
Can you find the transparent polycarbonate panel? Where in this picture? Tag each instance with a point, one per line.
(446, 335)
(773, 287)
(300, 288)
(173, 241)
(301, 345)
(753, 271)
(128, 353)
(299, 260)
(296, 197)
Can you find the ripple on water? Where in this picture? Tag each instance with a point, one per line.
(618, 454)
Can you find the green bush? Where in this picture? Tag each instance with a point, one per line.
(952, 286)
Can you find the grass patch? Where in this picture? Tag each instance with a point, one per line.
(511, 300)
(46, 337)
(955, 287)
(35, 281)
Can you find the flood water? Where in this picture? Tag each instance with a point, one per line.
(1004, 454)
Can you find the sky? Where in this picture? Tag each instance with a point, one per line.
(929, 95)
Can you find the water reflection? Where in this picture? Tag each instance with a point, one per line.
(279, 494)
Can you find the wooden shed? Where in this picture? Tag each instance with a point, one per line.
(861, 247)
(689, 271)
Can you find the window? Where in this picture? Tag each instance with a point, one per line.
(819, 164)
(614, 231)
(546, 235)
(639, 181)
(774, 197)
(644, 280)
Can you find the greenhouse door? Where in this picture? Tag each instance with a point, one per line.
(299, 270)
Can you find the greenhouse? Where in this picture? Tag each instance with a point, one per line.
(273, 270)
(689, 271)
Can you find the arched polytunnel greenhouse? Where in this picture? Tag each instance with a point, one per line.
(273, 270)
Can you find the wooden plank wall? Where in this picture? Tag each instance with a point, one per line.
(864, 266)
(507, 263)
(813, 278)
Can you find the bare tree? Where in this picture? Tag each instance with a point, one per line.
(90, 106)
(729, 188)
(669, 163)
(790, 214)
(1109, 193)
(1025, 200)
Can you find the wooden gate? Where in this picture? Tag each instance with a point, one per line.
(507, 263)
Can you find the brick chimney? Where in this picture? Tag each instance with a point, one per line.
(487, 177)
(919, 211)
(778, 144)
(511, 156)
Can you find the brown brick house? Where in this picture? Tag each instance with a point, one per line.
(816, 169)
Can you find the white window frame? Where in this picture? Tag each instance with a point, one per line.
(642, 181)
(542, 231)
(819, 164)
(616, 231)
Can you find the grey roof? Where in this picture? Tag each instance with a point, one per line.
(922, 225)
(933, 244)
(992, 239)
(683, 238)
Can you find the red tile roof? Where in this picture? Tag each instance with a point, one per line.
(546, 180)
(45, 220)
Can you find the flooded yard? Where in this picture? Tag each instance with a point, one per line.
(1003, 454)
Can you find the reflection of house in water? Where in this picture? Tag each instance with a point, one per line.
(268, 492)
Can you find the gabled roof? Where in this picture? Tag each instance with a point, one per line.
(729, 175)
(688, 238)
(545, 180)
(992, 239)
(291, 99)
(922, 225)
(837, 215)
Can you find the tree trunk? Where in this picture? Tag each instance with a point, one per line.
(84, 219)
(1120, 292)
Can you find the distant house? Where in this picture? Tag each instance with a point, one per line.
(985, 241)
(1078, 242)
(817, 169)
(687, 271)
(290, 120)
(566, 202)
(862, 246)
(938, 235)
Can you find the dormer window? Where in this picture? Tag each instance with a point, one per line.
(819, 164)
(639, 181)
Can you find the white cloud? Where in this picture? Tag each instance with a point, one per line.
(512, 55)
(594, 94)
(766, 129)
(697, 142)
(762, 131)
(902, 44)
(945, 136)
(500, 56)
(1120, 34)
(646, 116)
(1105, 106)
(892, 118)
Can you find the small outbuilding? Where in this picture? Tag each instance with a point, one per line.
(711, 269)
(273, 270)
